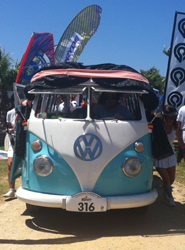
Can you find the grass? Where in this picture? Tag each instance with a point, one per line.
(3, 177)
(180, 172)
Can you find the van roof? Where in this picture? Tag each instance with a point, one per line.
(107, 76)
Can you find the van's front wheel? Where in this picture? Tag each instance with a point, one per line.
(32, 208)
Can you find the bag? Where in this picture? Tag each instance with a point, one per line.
(161, 147)
(20, 142)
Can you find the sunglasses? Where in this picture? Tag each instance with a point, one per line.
(110, 98)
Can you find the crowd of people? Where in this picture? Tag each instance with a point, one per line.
(106, 106)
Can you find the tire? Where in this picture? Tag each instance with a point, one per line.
(32, 208)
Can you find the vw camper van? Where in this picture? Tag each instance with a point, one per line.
(87, 140)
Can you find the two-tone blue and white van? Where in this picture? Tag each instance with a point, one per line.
(81, 162)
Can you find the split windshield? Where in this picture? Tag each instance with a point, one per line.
(89, 103)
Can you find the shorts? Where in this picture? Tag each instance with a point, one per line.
(166, 163)
(10, 148)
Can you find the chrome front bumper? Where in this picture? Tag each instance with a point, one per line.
(113, 202)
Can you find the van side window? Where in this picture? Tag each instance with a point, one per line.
(53, 106)
(132, 103)
(112, 105)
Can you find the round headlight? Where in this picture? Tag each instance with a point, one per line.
(132, 166)
(139, 146)
(43, 165)
(36, 145)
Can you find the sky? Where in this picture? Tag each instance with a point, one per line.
(131, 32)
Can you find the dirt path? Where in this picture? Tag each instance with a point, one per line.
(162, 227)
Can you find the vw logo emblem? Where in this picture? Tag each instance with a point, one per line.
(88, 147)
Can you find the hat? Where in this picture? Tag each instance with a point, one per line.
(169, 110)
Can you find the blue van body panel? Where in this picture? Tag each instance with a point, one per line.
(62, 180)
(111, 182)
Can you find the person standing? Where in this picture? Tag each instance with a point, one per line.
(26, 106)
(66, 106)
(181, 129)
(166, 167)
(109, 106)
(10, 119)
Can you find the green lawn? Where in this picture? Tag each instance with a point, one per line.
(180, 172)
(3, 177)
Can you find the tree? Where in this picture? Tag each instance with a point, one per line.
(8, 72)
(166, 51)
(11, 76)
(155, 79)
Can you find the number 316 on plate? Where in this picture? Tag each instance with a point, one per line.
(86, 202)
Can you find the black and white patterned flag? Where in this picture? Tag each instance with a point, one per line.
(175, 81)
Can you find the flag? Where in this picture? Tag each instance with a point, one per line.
(39, 53)
(175, 80)
(77, 34)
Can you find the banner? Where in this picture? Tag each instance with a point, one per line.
(39, 53)
(77, 34)
(71, 48)
(175, 80)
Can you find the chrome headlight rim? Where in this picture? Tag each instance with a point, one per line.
(38, 167)
(39, 145)
(124, 166)
(139, 146)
